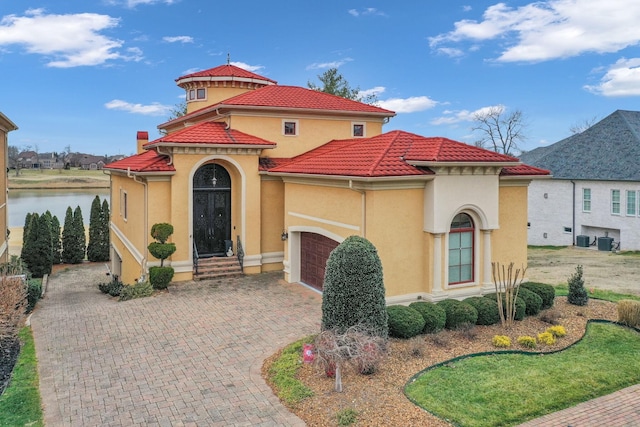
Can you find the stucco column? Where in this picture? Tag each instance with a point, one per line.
(487, 282)
(437, 264)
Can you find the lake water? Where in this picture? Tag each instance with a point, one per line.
(22, 202)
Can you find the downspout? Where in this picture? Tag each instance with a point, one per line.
(363, 209)
(146, 223)
(573, 215)
(168, 154)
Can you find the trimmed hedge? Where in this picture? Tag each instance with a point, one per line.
(488, 313)
(404, 322)
(160, 277)
(434, 316)
(532, 300)
(458, 313)
(546, 292)
(521, 306)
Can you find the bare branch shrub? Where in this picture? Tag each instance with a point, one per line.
(629, 312)
(13, 300)
(440, 339)
(507, 282)
(357, 346)
(551, 316)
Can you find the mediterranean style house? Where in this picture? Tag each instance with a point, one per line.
(6, 126)
(593, 198)
(274, 177)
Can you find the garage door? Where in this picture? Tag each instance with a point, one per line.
(314, 252)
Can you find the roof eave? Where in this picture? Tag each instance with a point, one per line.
(206, 144)
(306, 110)
(223, 79)
(431, 163)
(128, 171)
(514, 177)
(351, 177)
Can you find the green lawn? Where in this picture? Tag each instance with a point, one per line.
(508, 389)
(20, 403)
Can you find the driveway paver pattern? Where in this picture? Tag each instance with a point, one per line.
(190, 356)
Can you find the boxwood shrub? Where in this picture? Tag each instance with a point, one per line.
(532, 300)
(434, 316)
(404, 322)
(546, 292)
(521, 306)
(458, 313)
(488, 313)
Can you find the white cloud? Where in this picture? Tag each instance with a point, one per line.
(450, 51)
(622, 79)
(154, 109)
(551, 29)
(324, 65)
(373, 91)
(181, 39)
(68, 40)
(408, 105)
(366, 11)
(244, 66)
(134, 3)
(457, 116)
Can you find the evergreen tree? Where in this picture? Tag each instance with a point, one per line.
(72, 251)
(95, 231)
(29, 239)
(106, 218)
(25, 234)
(577, 293)
(81, 238)
(353, 292)
(42, 260)
(56, 244)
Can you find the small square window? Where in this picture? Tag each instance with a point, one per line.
(290, 128)
(201, 94)
(567, 229)
(358, 129)
(192, 94)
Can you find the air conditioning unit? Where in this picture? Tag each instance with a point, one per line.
(582, 241)
(604, 243)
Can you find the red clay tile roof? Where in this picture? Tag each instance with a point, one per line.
(267, 163)
(524, 170)
(389, 154)
(147, 162)
(294, 97)
(226, 70)
(210, 133)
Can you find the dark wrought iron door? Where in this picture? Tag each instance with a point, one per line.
(211, 210)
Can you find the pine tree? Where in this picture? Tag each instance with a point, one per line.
(70, 240)
(25, 235)
(577, 293)
(95, 231)
(80, 236)
(56, 244)
(104, 220)
(42, 256)
(29, 239)
(353, 292)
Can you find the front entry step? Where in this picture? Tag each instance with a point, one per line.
(218, 267)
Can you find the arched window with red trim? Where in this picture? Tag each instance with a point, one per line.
(461, 249)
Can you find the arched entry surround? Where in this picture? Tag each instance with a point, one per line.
(238, 196)
(292, 266)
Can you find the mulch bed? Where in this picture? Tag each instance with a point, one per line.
(379, 400)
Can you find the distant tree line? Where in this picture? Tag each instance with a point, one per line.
(44, 243)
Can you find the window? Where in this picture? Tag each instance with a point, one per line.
(123, 204)
(201, 93)
(631, 203)
(193, 94)
(567, 230)
(358, 129)
(461, 250)
(290, 127)
(615, 202)
(586, 200)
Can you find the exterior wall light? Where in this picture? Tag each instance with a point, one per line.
(284, 236)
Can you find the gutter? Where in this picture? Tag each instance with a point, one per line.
(573, 215)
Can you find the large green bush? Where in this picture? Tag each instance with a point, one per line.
(160, 277)
(434, 316)
(458, 313)
(546, 292)
(521, 306)
(404, 322)
(488, 313)
(532, 300)
(353, 292)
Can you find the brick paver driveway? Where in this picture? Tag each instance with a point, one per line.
(188, 357)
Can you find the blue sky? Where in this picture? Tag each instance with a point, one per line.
(89, 74)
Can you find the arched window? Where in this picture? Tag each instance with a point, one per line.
(461, 250)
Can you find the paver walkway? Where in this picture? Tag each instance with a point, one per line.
(192, 356)
(189, 357)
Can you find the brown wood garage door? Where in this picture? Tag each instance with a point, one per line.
(314, 252)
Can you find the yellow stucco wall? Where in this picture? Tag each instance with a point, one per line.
(510, 240)
(272, 216)
(216, 93)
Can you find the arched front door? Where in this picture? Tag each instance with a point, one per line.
(211, 210)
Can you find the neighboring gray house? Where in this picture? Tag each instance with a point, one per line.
(593, 197)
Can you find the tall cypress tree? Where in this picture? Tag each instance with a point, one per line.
(29, 239)
(105, 218)
(56, 244)
(68, 239)
(95, 231)
(81, 238)
(25, 235)
(42, 256)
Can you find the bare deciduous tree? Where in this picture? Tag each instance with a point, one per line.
(499, 131)
(584, 125)
(507, 283)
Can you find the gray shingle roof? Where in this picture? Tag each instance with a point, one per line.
(608, 150)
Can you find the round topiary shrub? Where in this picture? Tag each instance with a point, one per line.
(488, 313)
(458, 313)
(434, 316)
(353, 291)
(160, 277)
(521, 306)
(404, 322)
(532, 300)
(546, 292)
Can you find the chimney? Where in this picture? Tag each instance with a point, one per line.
(142, 138)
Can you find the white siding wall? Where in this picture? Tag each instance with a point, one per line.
(550, 211)
(551, 214)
